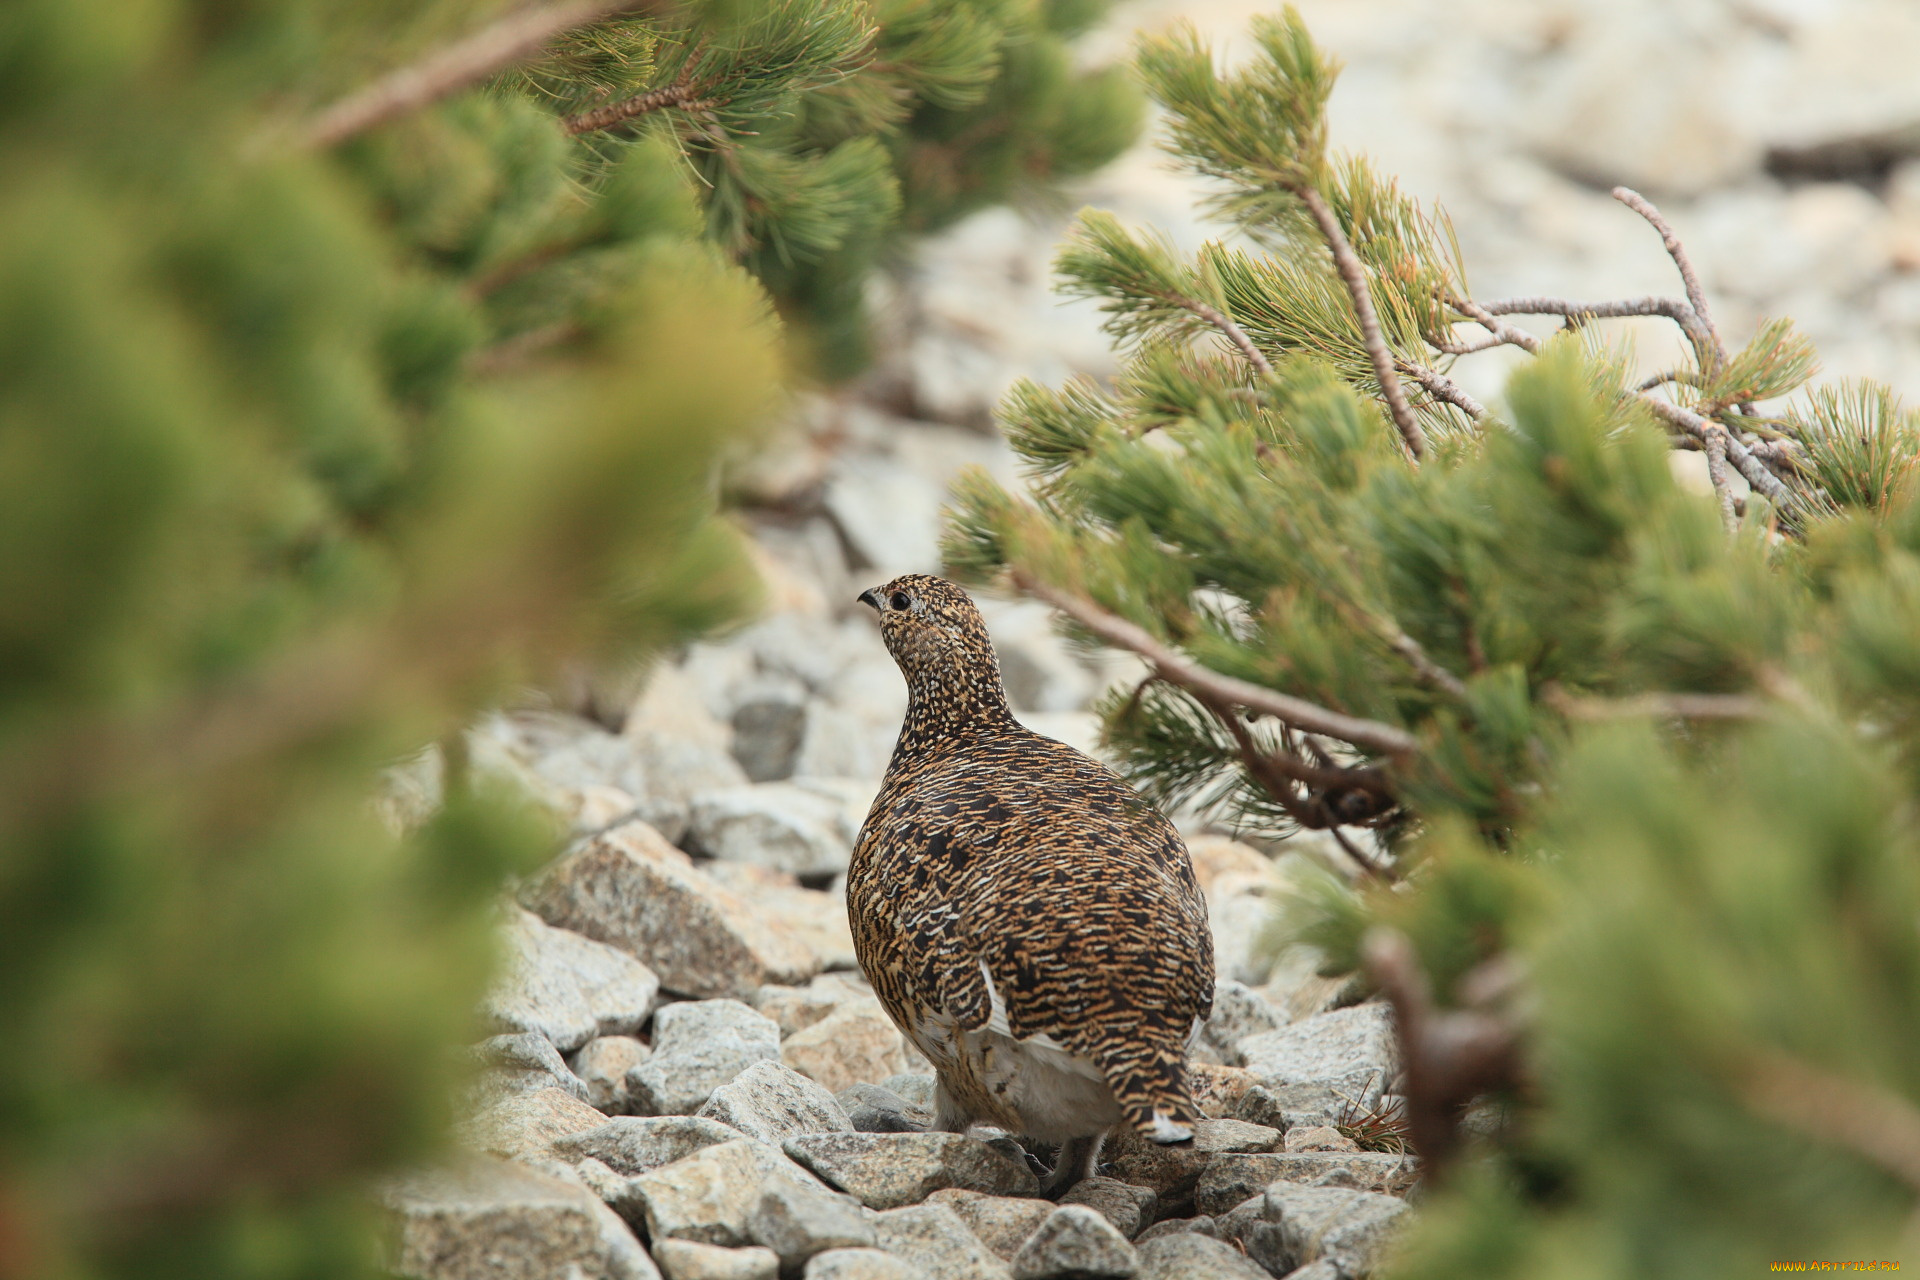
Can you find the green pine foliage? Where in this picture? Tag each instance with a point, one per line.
(819, 134)
(280, 501)
(1641, 765)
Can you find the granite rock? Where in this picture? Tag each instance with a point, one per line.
(525, 1062)
(1354, 1229)
(775, 825)
(1128, 1207)
(889, 1170)
(602, 1065)
(1191, 1256)
(690, 1260)
(631, 1145)
(567, 987)
(524, 1126)
(1173, 1172)
(1352, 1050)
(712, 1195)
(772, 1102)
(933, 1238)
(1077, 1242)
(873, 1108)
(855, 1043)
(499, 1220)
(630, 889)
(698, 1046)
(860, 1264)
(798, 1220)
(1002, 1223)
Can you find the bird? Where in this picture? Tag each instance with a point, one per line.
(1029, 921)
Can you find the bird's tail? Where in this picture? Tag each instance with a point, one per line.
(1156, 1101)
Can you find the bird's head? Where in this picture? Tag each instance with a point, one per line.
(935, 633)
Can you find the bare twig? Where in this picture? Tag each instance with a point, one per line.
(1333, 797)
(1234, 333)
(1474, 347)
(1755, 471)
(457, 66)
(1416, 655)
(1176, 668)
(1696, 295)
(1347, 262)
(1450, 1056)
(1502, 331)
(1716, 443)
(1441, 387)
(1684, 376)
(1864, 1117)
(1674, 309)
(683, 93)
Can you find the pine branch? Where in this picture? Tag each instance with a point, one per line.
(1674, 309)
(1696, 295)
(1750, 467)
(1234, 333)
(1354, 274)
(1716, 445)
(1487, 317)
(460, 65)
(1334, 797)
(682, 93)
(1177, 669)
(1441, 387)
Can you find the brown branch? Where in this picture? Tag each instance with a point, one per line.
(1178, 669)
(1478, 345)
(1347, 262)
(1685, 377)
(1716, 445)
(1449, 1056)
(1441, 387)
(1696, 295)
(460, 65)
(1488, 319)
(1234, 333)
(681, 93)
(1755, 471)
(1864, 1117)
(1416, 655)
(1674, 309)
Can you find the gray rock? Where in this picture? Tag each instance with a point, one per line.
(524, 1062)
(1317, 1137)
(497, 1220)
(798, 1220)
(1239, 1012)
(915, 1086)
(1127, 1207)
(1352, 1050)
(1245, 1226)
(887, 1170)
(797, 1008)
(933, 1238)
(690, 1260)
(712, 1195)
(1190, 1256)
(1202, 1226)
(873, 1108)
(856, 1043)
(1325, 1269)
(1229, 1180)
(697, 1047)
(776, 825)
(1173, 1172)
(772, 1102)
(524, 1126)
(602, 1065)
(1075, 1241)
(1291, 1106)
(861, 1264)
(567, 987)
(769, 722)
(1351, 1228)
(1002, 1223)
(631, 1145)
(631, 889)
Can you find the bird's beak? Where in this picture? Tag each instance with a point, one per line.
(871, 596)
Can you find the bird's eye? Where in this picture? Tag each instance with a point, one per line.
(899, 600)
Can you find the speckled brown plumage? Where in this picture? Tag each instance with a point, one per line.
(994, 852)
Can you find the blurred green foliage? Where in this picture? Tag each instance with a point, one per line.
(1663, 770)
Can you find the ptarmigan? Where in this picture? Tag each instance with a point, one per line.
(1030, 921)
